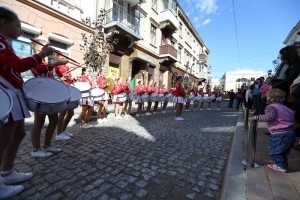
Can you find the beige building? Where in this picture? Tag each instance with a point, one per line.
(156, 41)
(57, 21)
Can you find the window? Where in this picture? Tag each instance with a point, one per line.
(22, 46)
(58, 46)
(179, 53)
(153, 35)
(180, 29)
(165, 4)
(154, 4)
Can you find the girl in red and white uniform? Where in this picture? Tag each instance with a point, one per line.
(155, 90)
(86, 102)
(118, 89)
(128, 102)
(12, 131)
(194, 91)
(201, 93)
(179, 100)
(209, 94)
(219, 98)
(149, 89)
(164, 91)
(187, 100)
(103, 104)
(140, 90)
(64, 117)
(44, 70)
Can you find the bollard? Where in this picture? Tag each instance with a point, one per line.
(246, 116)
(252, 138)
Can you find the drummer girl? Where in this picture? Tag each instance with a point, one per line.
(201, 93)
(44, 70)
(179, 94)
(85, 102)
(155, 90)
(13, 131)
(103, 104)
(188, 101)
(219, 98)
(64, 117)
(128, 102)
(149, 90)
(140, 90)
(118, 89)
(164, 91)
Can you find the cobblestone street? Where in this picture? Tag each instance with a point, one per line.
(153, 157)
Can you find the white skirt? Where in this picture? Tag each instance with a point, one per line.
(19, 109)
(86, 102)
(138, 99)
(178, 100)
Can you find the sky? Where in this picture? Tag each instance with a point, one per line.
(247, 35)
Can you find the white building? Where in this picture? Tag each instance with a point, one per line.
(236, 79)
(293, 37)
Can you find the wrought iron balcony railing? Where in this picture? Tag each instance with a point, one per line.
(117, 14)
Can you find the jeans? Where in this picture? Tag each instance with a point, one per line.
(280, 146)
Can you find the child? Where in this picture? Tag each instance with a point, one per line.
(280, 120)
(13, 130)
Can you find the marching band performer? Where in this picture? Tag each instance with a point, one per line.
(194, 91)
(44, 70)
(155, 90)
(187, 100)
(64, 117)
(103, 104)
(219, 98)
(140, 90)
(164, 91)
(118, 89)
(201, 93)
(128, 102)
(149, 90)
(209, 94)
(12, 131)
(85, 102)
(179, 94)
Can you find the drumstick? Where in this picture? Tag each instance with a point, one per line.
(74, 68)
(55, 51)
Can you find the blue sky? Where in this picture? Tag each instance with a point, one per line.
(262, 27)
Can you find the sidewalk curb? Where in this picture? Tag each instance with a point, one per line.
(235, 178)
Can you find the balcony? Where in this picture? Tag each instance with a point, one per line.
(168, 22)
(167, 53)
(203, 75)
(117, 19)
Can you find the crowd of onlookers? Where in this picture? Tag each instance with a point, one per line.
(276, 100)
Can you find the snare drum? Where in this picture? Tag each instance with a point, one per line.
(84, 88)
(145, 97)
(5, 105)
(154, 97)
(46, 95)
(205, 99)
(75, 96)
(122, 97)
(191, 97)
(169, 98)
(161, 97)
(219, 99)
(198, 98)
(132, 96)
(98, 94)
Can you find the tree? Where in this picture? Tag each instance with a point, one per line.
(95, 45)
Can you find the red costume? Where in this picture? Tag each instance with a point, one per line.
(127, 88)
(85, 78)
(163, 91)
(201, 93)
(118, 89)
(139, 89)
(218, 94)
(63, 70)
(11, 65)
(101, 82)
(43, 70)
(179, 90)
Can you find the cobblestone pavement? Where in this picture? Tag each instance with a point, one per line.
(153, 157)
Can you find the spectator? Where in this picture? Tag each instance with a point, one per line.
(231, 98)
(263, 94)
(249, 98)
(256, 96)
(280, 121)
